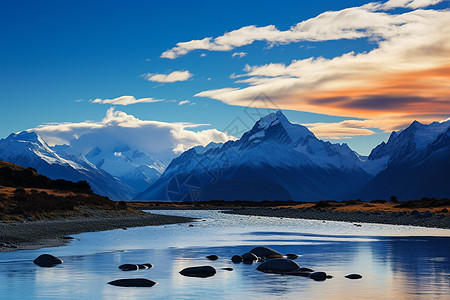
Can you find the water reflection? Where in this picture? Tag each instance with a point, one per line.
(393, 267)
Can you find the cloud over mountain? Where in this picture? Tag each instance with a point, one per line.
(119, 128)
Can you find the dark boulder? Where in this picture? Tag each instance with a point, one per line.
(444, 210)
(47, 260)
(212, 257)
(318, 276)
(131, 267)
(204, 271)
(236, 259)
(133, 282)
(265, 252)
(278, 265)
(128, 267)
(249, 258)
(292, 256)
(353, 276)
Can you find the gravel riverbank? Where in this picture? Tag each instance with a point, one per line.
(51, 233)
(422, 219)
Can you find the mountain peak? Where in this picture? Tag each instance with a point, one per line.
(27, 136)
(294, 131)
(272, 119)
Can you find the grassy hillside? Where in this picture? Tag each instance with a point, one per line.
(26, 194)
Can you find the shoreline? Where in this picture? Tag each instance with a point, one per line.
(435, 221)
(50, 233)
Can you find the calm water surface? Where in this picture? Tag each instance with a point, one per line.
(397, 262)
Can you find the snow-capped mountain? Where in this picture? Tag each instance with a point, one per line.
(135, 168)
(417, 164)
(275, 160)
(28, 149)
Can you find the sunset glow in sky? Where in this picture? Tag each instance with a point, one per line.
(351, 71)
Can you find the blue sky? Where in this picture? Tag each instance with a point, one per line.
(59, 56)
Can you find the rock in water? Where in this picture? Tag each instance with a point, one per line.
(292, 256)
(353, 276)
(47, 260)
(249, 258)
(278, 265)
(133, 282)
(318, 276)
(204, 271)
(128, 267)
(212, 257)
(236, 259)
(266, 252)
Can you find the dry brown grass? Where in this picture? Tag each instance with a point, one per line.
(432, 205)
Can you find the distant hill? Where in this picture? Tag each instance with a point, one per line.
(24, 193)
(12, 175)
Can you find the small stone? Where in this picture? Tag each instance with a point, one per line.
(67, 238)
(292, 256)
(249, 258)
(353, 276)
(203, 271)
(444, 210)
(212, 257)
(128, 267)
(236, 259)
(318, 276)
(227, 269)
(47, 260)
(133, 282)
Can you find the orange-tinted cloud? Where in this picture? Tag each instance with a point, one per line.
(406, 77)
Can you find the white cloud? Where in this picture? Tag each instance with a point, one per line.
(184, 102)
(368, 20)
(410, 3)
(117, 129)
(171, 77)
(239, 54)
(125, 100)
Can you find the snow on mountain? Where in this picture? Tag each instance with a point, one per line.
(275, 155)
(417, 164)
(135, 168)
(410, 142)
(28, 149)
